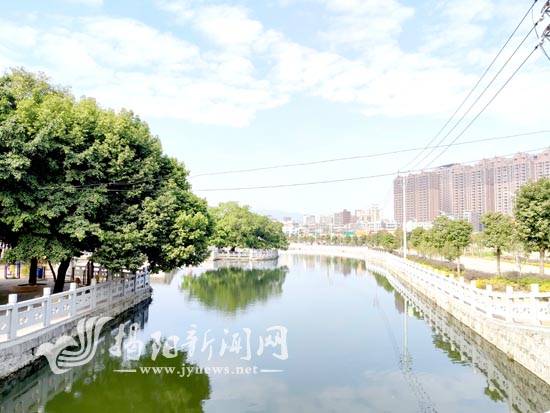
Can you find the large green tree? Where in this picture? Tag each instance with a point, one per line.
(497, 233)
(449, 238)
(238, 227)
(532, 217)
(76, 177)
(388, 241)
(459, 236)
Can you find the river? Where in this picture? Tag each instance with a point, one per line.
(304, 334)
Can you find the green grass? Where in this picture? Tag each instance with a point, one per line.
(519, 283)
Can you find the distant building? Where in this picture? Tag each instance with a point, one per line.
(309, 220)
(468, 190)
(326, 220)
(473, 218)
(342, 218)
(361, 215)
(375, 213)
(290, 227)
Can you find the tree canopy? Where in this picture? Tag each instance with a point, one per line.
(75, 177)
(497, 233)
(532, 217)
(238, 227)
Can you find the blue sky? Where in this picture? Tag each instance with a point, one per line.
(242, 84)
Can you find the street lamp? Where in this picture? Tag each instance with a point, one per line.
(404, 185)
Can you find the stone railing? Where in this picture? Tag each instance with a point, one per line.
(244, 255)
(514, 307)
(523, 391)
(18, 319)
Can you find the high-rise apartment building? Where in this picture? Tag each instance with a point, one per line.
(422, 194)
(342, 218)
(375, 213)
(309, 220)
(468, 190)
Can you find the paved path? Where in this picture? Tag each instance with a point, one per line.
(22, 288)
(490, 266)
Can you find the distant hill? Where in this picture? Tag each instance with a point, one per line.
(279, 215)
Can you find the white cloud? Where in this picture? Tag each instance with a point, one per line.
(362, 24)
(227, 25)
(16, 36)
(181, 10)
(246, 67)
(91, 3)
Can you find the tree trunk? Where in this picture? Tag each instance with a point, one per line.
(458, 266)
(52, 270)
(61, 272)
(33, 271)
(541, 262)
(498, 252)
(90, 272)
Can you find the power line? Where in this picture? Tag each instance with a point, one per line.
(545, 10)
(108, 186)
(339, 180)
(479, 97)
(485, 107)
(375, 155)
(475, 86)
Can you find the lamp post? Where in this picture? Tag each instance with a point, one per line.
(404, 185)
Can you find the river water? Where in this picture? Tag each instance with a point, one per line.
(304, 334)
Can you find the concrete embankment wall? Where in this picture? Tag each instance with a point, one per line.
(528, 345)
(19, 356)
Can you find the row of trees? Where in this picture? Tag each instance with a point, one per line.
(75, 178)
(383, 240)
(527, 231)
(238, 227)
(446, 238)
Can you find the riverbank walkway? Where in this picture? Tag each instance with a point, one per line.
(24, 291)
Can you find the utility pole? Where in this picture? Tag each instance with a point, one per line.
(404, 185)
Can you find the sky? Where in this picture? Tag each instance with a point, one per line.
(232, 85)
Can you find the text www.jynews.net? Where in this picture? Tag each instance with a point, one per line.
(187, 371)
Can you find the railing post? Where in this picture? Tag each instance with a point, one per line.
(473, 295)
(535, 303)
(489, 300)
(509, 302)
(110, 291)
(460, 290)
(47, 293)
(72, 298)
(14, 316)
(93, 292)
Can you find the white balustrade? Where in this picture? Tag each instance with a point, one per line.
(526, 308)
(244, 254)
(20, 318)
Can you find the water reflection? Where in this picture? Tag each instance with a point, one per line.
(230, 289)
(506, 380)
(95, 386)
(137, 392)
(341, 265)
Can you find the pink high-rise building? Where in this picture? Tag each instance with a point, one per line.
(468, 190)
